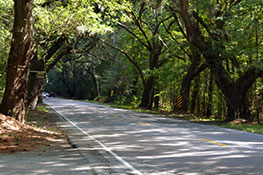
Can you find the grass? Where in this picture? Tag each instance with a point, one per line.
(42, 108)
(122, 106)
(248, 127)
(133, 108)
(42, 118)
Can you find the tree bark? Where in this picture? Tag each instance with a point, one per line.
(147, 94)
(203, 97)
(35, 85)
(15, 96)
(192, 72)
(156, 99)
(194, 97)
(185, 88)
(34, 82)
(210, 97)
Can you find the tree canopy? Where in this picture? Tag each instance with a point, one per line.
(202, 56)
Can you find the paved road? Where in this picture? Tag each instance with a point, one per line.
(117, 141)
(56, 160)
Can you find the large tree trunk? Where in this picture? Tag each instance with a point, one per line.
(210, 97)
(15, 96)
(146, 101)
(150, 83)
(35, 83)
(156, 99)
(194, 95)
(192, 72)
(235, 92)
(237, 104)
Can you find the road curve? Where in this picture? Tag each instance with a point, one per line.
(117, 141)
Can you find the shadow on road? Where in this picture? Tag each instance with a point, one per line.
(166, 146)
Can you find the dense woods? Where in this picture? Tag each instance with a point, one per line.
(197, 56)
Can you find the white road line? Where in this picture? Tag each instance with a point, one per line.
(125, 163)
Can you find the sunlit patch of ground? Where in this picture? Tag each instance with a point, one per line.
(17, 137)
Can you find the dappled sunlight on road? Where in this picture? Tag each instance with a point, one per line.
(158, 145)
(65, 162)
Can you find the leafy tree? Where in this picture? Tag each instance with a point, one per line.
(122, 78)
(213, 38)
(53, 20)
(59, 26)
(78, 75)
(6, 18)
(145, 27)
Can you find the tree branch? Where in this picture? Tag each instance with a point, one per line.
(158, 25)
(200, 69)
(133, 34)
(54, 48)
(234, 2)
(63, 52)
(249, 77)
(149, 46)
(174, 39)
(195, 14)
(144, 22)
(127, 56)
(85, 50)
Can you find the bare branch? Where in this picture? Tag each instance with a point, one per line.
(177, 56)
(54, 48)
(249, 77)
(142, 9)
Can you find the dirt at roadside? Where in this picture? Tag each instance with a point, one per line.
(17, 137)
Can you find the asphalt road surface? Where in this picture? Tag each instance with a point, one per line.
(117, 141)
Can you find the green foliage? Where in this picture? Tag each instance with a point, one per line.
(253, 128)
(6, 18)
(75, 17)
(244, 25)
(68, 21)
(119, 77)
(79, 75)
(234, 31)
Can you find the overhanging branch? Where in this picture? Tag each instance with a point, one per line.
(133, 34)
(126, 55)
